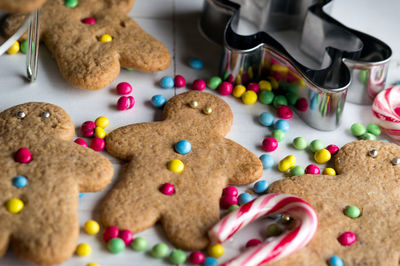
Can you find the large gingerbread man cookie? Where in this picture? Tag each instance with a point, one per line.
(367, 233)
(94, 39)
(42, 173)
(177, 169)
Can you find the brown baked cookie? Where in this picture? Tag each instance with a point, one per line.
(84, 59)
(20, 6)
(137, 201)
(39, 187)
(368, 180)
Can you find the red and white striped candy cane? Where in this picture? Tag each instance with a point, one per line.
(305, 215)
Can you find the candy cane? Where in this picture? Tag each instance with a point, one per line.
(279, 247)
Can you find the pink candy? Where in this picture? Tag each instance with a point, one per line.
(269, 144)
(110, 232)
(179, 81)
(196, 257)
(312, 169)
(125, 103)
(198, 85)
(228, 200)
(253, 87)
(225, 88)
(124, 88)
(87, 128)
(98, 144)
(284, 112)
(302, 104)
(89, 21)
(126, 236)
(333, 149)
(253, 242)
(81, 142)
(167, 189)
(347, 238)
(23, 155)
(230, 191)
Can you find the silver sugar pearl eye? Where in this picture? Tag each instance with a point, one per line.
(373, 153)
(45, 114)
(396, 161)
(21, 114)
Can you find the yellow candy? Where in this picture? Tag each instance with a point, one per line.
(238, 79)
(93, 264)
(83, 249)
(287, 163)
(265, 85)
(329, 171)
(176, 166)
(99, 133)
(14, 205)
(322, 156)
(105, 38)
(279, 68)
(216, 251)
(251, 73)
(14, 48)
(274, 83)
(249, 97)
(102, 122)
(238, 91)
(91, 227)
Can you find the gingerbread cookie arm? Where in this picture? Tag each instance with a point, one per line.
(4, 239)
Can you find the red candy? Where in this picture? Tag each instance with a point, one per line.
(228, 200)
(225, 88)
(179, 81)
(110, 232)
(167, 189)
(81, 142)
(312, 169)
(302, 104)
(126, 236)
(196, 257)
(230, 191)
(230, 78)
(125, 103)
(98, 144)
(198, 85)
(333, 149)
(347, 238)
(253, 242)
(89, 21)
(87, 128)
(269, 144)
(124, 88)
(23, 155)
(284, 112)
(253, 87)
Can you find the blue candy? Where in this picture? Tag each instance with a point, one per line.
(244, 198)
(81, 195)
(19, 181)
(210, 261)
(260, 187)
(335, 261)
(158, 100)
(267, 161)
(196, 63)
(282, 125)
(167, 82)
(183, 147)
(266, 119)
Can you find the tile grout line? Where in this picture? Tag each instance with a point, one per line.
(174, 41)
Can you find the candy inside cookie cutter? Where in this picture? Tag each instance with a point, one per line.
(316, 58)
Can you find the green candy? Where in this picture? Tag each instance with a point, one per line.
(291, 98)
(214, 82)
(316, 145)
(71, 3)
(226, 74)
(297, 170)
(278, 134)
(373, 129)
(177, 256)
(139, 244)
(274, 230)
(368, 136)
(352, 211)
(233, 207)
(266, 97)
(291, 88)
(116, 245)
(24, 46)
(299, 143)
(279, 100)
(160, 250)
(357, 129)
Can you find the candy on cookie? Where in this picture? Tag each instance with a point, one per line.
(177, 169)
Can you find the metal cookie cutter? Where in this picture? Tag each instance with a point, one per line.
(316, 59)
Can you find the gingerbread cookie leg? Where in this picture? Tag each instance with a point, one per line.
(4, 239)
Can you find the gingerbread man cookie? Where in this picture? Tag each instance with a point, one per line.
(357, 209)
(42, 173)
(177, 169)
(92, 39)
(20, 6)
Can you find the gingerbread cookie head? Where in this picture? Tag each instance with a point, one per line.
(93, 39)
(357, 209)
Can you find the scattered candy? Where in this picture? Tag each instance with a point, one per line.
(233, 207)
(278, 134)
(357, 129)
(93, 264)
(322, 156)
(228, 200)
(210, 261)
(139, 244)
(81, 142)
(89, 21)
(23, 155)
(177, 257)
(282, 125)
(266, 119)
(352, 211)
(91, 227)
(87, 129)
(167, 82)
(24, 46)
(269, 144)
(265, 85)
(198, 85)
(267, 161)
(183, 147)
(126, 236)
(249, 97)
(99, 132)
(368, 136)
(179, 81)
(14, 48)
(158, 100)
(329, 171)
(116, 245)
(110, 232)
(312, 169)
(102, 122)
(279, 100)
(98, 144)
(302, 104)
(297, 170)
(332, 148)
(196, 63)
(373, 129)
(299, 143)
(105, 38)
(71, 3)
(244, 198)
(335, 261)
(167, 189)
(284, 112)
(19, 181)
(231, 191)
(175, 166)
(347, 238)
(83, 249)
(261, 187)
(316, 145)
(273, 230)
(160, 250)
(214, 82)
(238, 91)
(196, 257)
(216, 251)
(225, 88)
(287, 163)
(207, 110)
(124, 88)
(253, 242)
(253, 87)
(14, 205)
(267, 97)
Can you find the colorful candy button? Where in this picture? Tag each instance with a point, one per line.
(352, 211)
(253, 242)
(266, 97)
(196, 63)
(175, 166)
(71, 3)
(269, 144)
(87, 128)
(20, 181)
(14, 48)
(244, 198)
(177, 257)
(102, 122)
(357, 129)
(198, 85)
(126, 236)
(329, 171)
(249, 97)
(88, 21)
(316, 145)
(196, 257)
(214, 82)
(139, 244)
(179, 81)
(347, 238)
(265, 85)
(278, 134)
(106, 38)
(91, 227)
(322, 156)
(282, 125)
(23, 155)
(158, 100)
(267, 161)
(98, 144)
(312, 169)
(83, 249)
(14, 205)
(297, 170)
(225, 88)
(81, 142)
(284, 112)
(228, 200)
(125, 103)
(167, 189)
(124, 88)
(116, 245)
(266, 119)
(233, 207)
(110, 232)
(99, 133)
(287, 163)
(210, 261)
(335, 261)
(160, 250)
(229, 190)
(183, 147)
(299, 143)
(167, 82)
(332, 148)
(260, 187)
(238, 91)
(216, 250)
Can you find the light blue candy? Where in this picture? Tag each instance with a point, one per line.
(335, 261)
(244, 198)
(183, 147)
(158, 100)
(210, 261)
(167, 82)
(266, 119)
(282, 125)
(260, 187)
(267, 161)
(81, 195)
(20, 181)
(196, 63)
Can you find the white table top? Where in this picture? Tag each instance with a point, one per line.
(175, 23)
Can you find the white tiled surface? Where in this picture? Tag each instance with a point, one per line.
(175, 23)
